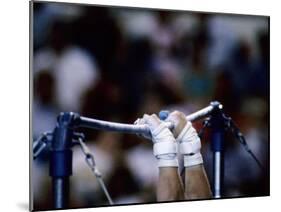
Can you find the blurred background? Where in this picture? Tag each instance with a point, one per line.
(116, 64)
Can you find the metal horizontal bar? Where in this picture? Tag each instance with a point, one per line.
(140, 129)
(112, 126)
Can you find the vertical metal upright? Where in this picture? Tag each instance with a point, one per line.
(217, 145)
(61, 160)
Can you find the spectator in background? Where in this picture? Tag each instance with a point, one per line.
(163, 36)
(98, 32)
(224, 90)
(222, 38)
(73, 69)
(45, 15)
(109, 159)
(44, 107)
(240, 67)
(197, 82)
(132, 73)
(260, 74)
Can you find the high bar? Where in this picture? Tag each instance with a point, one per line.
(141, 129)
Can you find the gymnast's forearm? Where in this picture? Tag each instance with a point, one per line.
(169, 186)
(196, 183)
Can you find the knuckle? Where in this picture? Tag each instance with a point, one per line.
(154, 115)
(177, 112)
(145, 116)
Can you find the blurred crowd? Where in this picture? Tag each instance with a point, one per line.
(116, 64)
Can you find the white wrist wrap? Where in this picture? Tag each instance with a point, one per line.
(192, 160)
(168, 162)
(165, 147)
(190, 145)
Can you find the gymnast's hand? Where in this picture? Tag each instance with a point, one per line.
(187, 137)
(179, 120)
(151, 120)
(164, 145)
